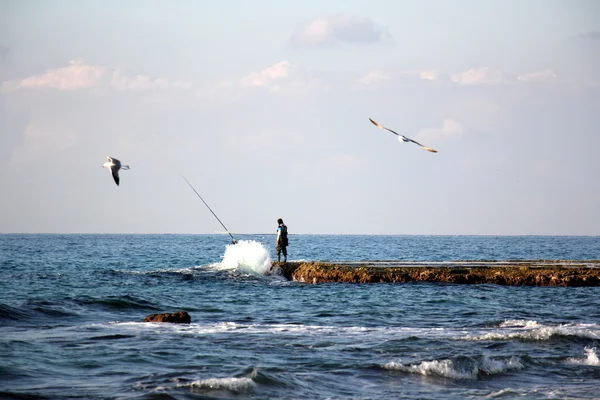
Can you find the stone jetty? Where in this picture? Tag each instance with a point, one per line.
(514, 273)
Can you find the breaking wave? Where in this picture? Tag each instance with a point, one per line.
(464, 368)
(591, 358)
(247, 256)
(231, 384)
(531, 330)
(234, 384)
(519, 323)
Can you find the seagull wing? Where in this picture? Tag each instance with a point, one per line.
(425, 147)
(116, 162)
(115, 174)
(383, 127)
(402, 136)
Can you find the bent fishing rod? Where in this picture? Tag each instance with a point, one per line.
(213, 213)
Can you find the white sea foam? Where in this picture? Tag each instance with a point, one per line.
(232, 384)
(246, 256)
(516, 323)
(591, 358)
(458, 370)
(445, 368)
(378, 333)
(535, 331)
(367, 333)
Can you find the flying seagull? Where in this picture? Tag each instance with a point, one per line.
(115, 165)
(402, 138)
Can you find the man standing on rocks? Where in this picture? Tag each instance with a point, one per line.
(282, 240)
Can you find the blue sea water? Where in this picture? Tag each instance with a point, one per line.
(71, 308)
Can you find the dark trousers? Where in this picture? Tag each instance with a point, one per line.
(281, 249)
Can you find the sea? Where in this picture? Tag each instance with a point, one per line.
(71, 311)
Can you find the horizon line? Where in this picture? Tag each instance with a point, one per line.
(300, 234)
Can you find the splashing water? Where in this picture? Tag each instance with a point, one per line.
(591, 358)
(247, 256)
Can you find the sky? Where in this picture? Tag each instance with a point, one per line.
(264, 107)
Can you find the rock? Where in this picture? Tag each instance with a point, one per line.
(530, 273)
(179, 317)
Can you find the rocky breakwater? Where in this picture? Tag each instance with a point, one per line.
(515, 273)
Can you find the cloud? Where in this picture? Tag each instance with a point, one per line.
(450, 130)
(426, 74)
(546, 76)
(120, 81)
(331, 30)
(280, 76)
(270, 76)
(79, 75)
(479, 76)
(375, 77)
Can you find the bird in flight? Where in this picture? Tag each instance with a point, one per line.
(402, 138)
(115, 165)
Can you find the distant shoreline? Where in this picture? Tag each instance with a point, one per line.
(571, 273)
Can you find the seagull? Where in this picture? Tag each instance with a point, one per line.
(115, 165)
(402, 138)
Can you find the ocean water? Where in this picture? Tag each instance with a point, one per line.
(71, 308)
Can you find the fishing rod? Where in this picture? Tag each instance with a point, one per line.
(213, 213)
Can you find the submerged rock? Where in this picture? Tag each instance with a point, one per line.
(179, 317)
(516, 273)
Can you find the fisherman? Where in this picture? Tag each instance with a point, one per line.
(282, 240)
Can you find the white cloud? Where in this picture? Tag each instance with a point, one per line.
(332, 30)
(450, 130)
(375, 77)
(479, 76)
(280, 76)
(77, 75)
(121, 81)
(270, 76)
(546, 76)
(426, 74)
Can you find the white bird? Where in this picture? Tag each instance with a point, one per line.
(402, 138)
(115, 165)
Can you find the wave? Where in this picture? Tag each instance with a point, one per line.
(186, 274)
(246, 256)
(380, 334)
(230, 384)
(591, 358)
(582, 391)
(462, 368)
(236, 384)
(533, 331)
(8, 313)
(23, 396)
(126, 302)
(292, 329)
(518, 323)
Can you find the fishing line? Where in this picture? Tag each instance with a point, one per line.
(213, 213)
